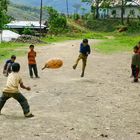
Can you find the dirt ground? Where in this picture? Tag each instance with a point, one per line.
(104, 105)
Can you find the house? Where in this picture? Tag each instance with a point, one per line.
(132, 10)
(104, 12)
(21, 25)
(8, 35)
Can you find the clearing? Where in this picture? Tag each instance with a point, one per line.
(105, 104)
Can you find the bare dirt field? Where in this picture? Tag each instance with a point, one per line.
(104, 105)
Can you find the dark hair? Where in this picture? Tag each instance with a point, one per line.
(13, 57)
(15, 67)
(31, 46)
(136, 47)
(85, 40)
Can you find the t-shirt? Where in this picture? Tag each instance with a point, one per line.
(84, 49)
(7, 66)
(13, 82)
(31, 57)
(136, 60)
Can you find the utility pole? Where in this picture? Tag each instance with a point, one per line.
(0, 36)
(40, 21)
(122, 12)
(67, 5)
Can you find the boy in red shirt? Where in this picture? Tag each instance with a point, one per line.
(32, 62)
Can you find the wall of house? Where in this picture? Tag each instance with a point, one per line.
(103, 13)
(127, 12)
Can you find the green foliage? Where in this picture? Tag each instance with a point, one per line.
(134, 26)
(76, 16)
(3, 13)
(57, 22)
(28, 31)
(102, 25)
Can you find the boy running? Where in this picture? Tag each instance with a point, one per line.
(84, 52)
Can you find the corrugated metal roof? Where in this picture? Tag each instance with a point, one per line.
(25, 24)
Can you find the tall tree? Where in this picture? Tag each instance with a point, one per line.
(3, 14)
(96, 3)
(57, 22)
(77, 6)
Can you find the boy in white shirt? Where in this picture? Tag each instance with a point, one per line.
(12, 90)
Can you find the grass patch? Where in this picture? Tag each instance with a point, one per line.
(9, 48)
(120, 43)
(73, 36)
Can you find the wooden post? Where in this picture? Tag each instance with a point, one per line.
(40, 21)
(67, 5)
(0, 36)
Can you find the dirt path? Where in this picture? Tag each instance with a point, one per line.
(67, 107)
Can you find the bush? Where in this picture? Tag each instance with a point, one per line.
(28, 31)
(76, 16)
(107, 25)
(134, 26)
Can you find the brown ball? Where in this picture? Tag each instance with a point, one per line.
(53, 63)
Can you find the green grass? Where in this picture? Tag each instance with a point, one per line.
(120, 43)
(8, 49)
(73, 36)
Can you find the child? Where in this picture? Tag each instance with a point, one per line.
(8, 64)
(138, 44)
(32, 62)
(84, 52)
(136, 65)
(133, 67)
(11, 90)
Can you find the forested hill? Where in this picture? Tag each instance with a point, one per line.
(21, 12)
(59, 5)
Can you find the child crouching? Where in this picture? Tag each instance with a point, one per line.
(11, 90)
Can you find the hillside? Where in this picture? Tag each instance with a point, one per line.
(21, 12)
(60, 5)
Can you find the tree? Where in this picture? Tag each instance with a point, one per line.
(3, 13)
(57, 22)
(4, 18)
(76, 6)
(83, 10)
(96, 3)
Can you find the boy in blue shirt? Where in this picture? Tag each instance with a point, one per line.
(7, 67)
(84, 52)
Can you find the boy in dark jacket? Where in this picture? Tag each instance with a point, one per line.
(7, 67)
(84, 52)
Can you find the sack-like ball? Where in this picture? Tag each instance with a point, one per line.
(53, 63)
